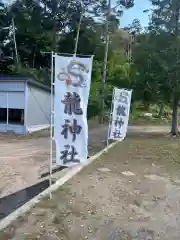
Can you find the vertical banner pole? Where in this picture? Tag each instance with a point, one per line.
(7, 109)
(78, 30)
(77, 35)
(110, 119)
(51, 126)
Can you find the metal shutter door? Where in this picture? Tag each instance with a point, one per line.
(16, 100)
(3, 100)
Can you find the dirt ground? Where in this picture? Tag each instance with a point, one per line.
(130, 193)
(24, 158)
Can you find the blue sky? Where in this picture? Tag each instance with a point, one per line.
(135, 12)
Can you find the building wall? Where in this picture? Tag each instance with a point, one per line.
(38, 108)
(18, 129)
(9, 86)
(35, 102)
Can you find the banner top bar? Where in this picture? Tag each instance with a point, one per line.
(69, 54)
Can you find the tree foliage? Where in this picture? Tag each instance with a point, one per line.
(51, 25)
(162, 47)
(145, 60)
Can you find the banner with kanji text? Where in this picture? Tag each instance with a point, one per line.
(72, 85)
(120, 114)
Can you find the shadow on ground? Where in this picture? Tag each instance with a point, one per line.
(10, 203)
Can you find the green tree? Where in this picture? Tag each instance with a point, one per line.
(5, 56)
(135, 27)
(166, 20)
(46, 25)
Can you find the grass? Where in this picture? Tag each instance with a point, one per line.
(137, 115)
(148, 121)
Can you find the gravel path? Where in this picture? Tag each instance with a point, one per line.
(149, 129)
(130, 193)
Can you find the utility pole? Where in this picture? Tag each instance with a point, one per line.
(103, 80)
(15, 45)
(77, 36)
(130, 42)
(79, 27)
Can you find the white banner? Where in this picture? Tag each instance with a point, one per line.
(120, 114)
(72, 85)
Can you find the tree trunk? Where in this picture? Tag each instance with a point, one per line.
(161, 110)
(33, 60)
(174, 126)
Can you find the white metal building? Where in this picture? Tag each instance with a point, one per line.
(25, 105)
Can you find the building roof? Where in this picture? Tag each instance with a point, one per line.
(29, 80)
